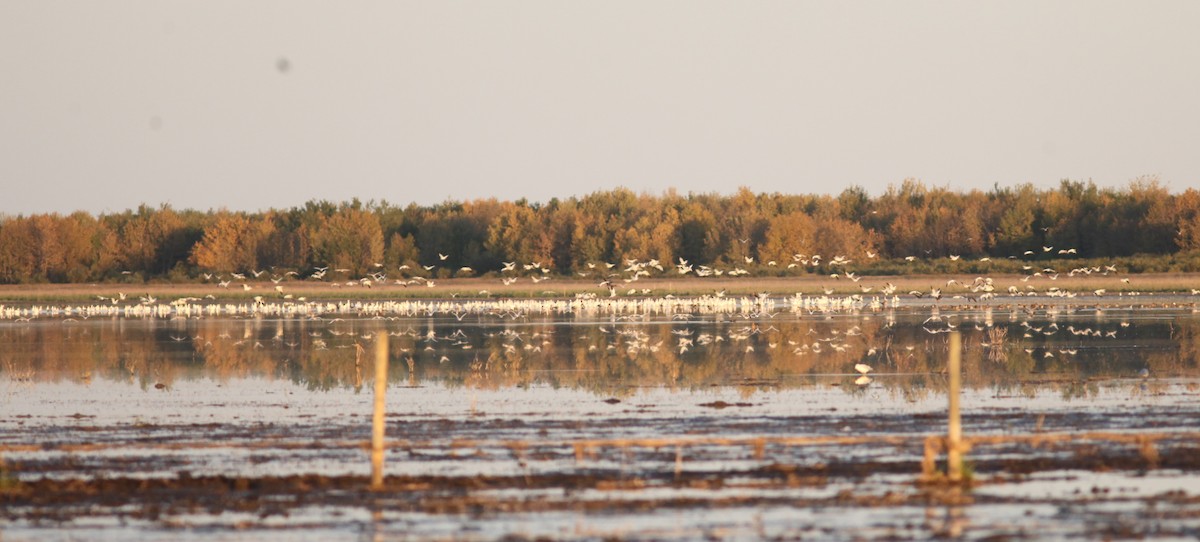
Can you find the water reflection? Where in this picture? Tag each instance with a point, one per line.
(1013, 352)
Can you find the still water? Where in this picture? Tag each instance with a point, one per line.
(154, 398)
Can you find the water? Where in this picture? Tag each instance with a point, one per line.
(491, 408)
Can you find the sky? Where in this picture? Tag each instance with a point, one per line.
(268, 104)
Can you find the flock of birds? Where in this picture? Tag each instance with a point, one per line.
(619, 279)
(750, 319)
(759, 307)
(485, 345)
(615, 279)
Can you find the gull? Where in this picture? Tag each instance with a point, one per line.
(863, 368)
(443, 256)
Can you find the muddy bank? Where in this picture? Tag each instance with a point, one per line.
(154, 477)
(252, 502)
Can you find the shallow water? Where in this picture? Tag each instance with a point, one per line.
(474, 395)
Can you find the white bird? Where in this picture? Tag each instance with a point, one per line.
(863, 368)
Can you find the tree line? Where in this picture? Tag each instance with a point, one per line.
(760, 231)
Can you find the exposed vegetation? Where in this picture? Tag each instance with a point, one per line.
(911, 228)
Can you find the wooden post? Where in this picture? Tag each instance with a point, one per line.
(929, 461)
(954, 436)
(377, 421)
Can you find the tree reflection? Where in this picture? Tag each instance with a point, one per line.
(1020, 351)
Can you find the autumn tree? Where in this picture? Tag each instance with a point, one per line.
(1016, 227)
(1187, 213)
(700, 241)
(16, 262)
(152, 240)
(401, 250)
(790, 234)
(519, 234)
(350, 238)
(231, 243)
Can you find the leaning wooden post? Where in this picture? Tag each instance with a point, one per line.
(954, 436)
(377, 421)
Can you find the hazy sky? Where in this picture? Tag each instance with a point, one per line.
(251, 105)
